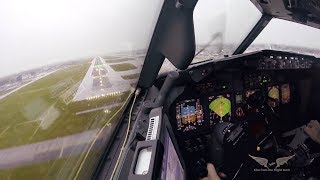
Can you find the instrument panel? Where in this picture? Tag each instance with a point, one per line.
(213, 101)
(277, 60)
(255, 92)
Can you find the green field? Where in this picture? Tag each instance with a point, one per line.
(64, 168)
(131, 76)
(38, 112)
(5, 92)
(45, 170)
(20, 111)
(123, 67)
(110, 57)
(118, 60)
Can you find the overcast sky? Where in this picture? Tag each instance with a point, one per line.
(235, 18)
(39, 32)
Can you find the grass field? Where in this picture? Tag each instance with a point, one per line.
(131, 76)
(45, 170)
(118, 60)
(5, 92)
(110, 57)
(63, 168)
(123, 67)
(20, 111)
(36, 113)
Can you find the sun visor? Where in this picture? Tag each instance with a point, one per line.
(177, 41)
(173, 38)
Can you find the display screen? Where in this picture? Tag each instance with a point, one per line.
(171, 165)
(274, 96)
(285, 93)
(189, 115)
(220, 108)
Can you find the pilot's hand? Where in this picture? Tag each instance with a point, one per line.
(313, 130)
(212, 173)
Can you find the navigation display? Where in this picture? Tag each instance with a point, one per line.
(189, 115)
(285, 93)
(220, 108)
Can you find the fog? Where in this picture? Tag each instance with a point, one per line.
(234, 20)
(37, 32)
(34, 33)
(288, 33)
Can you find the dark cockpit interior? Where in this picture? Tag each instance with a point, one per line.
(227, 111)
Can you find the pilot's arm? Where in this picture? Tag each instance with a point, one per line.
(313, 130)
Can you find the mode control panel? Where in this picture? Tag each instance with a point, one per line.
(273, 62)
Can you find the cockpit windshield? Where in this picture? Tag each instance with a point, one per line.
(288, 36)
(220, 26)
